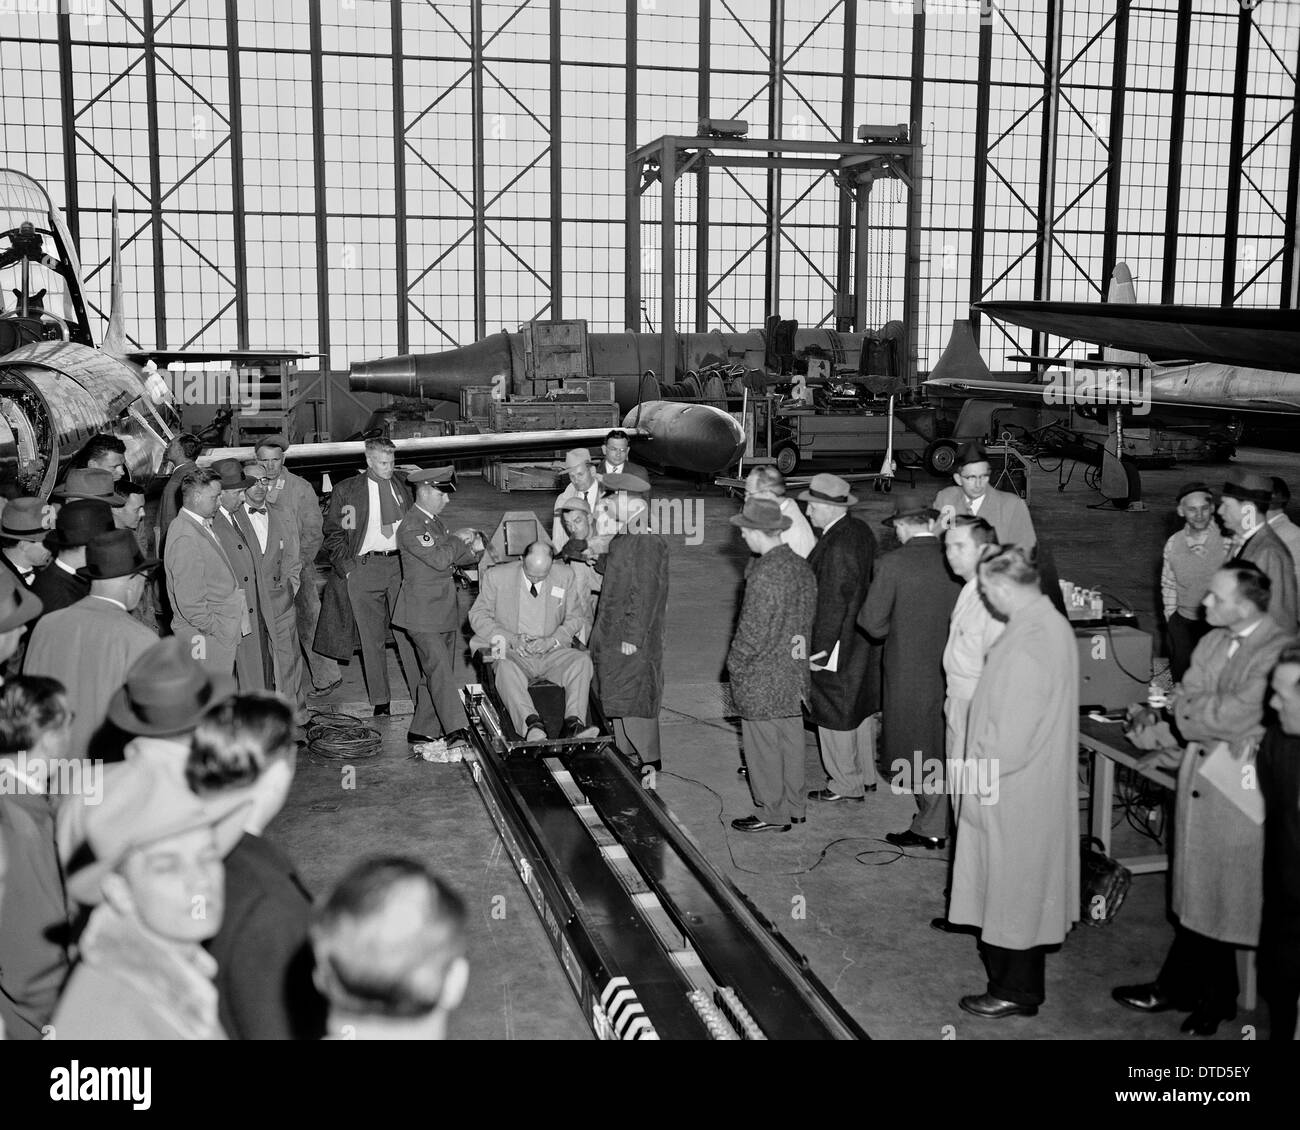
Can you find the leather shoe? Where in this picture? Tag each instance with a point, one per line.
(988, 1007)
(946, 927)
(754, 824)
(1201, 1023)
(798, 820)
(535, 731)
(832, 795)
(574, 729)
(418, 739)
(382, 711)
(911, 839)
(321, 692)
(1142, 998)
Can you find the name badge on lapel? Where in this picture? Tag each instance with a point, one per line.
(557, 592)
(426, 539)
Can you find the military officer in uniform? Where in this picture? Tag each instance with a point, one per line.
(426, 606)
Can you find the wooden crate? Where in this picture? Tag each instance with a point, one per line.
(555, 349)
(599, 390)
(511, 476)
(545, 416)
(475, 402)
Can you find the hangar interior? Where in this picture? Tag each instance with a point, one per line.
(353, 180)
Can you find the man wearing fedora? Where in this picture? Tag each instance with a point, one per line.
(208, 609)
(973, 495)
(90, 646)
(156, 886)
(427, 610)
(89, 482)
(584, 484)
(255, 656)
(768, 667)
(18, 608)
(25, 523)
(61, 583)
(294, 498)
(767, 482)
(1244, 512)
(909, 606)
(844, 696)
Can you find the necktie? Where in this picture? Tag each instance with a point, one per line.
(1236, 643)
(532, 588)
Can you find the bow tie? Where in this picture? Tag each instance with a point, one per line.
(257, 509)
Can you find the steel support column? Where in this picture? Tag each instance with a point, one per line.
(400, 265)
(776, 85)
(861, 248)
(979, 186)
(1115, 145)
(479, 220)
(912, 249)
(1290, 297)
(702, 231)
(155, 178)
(631, 186)
(238, 216)
(68, 113)
(1047, 162)
(557, 166)
(668, 261)
(1177, 119)
(321, 205)
(844, 227)
(1235, 145)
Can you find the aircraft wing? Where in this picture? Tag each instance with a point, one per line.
(165, 357)
(1025, 392)
(1261, 338)
(349, 454)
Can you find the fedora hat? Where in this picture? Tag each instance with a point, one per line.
(1243, 485)
(81, 520)
(90, 482)
(1194, 488)
(26, 519)
(18, 605)
(282, 442)
(619, 480)
(575, 503)
(232, 474)
(577, 457)
(830, 489)
(911, 504)
(167, 691)
(142, 805)
(971, 452)
(761, 514)
(114, 554)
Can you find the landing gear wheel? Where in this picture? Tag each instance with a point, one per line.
(941, 457)
(787, 458)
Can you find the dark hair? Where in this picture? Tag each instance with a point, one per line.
(192, 481)
(1252, 582)
(981, 531)
(190, 445)
(1015, 564)
(30, 705)
(1290, 654)
(618, 433)
(378, 963)
(101, 444)
(1281, 494)
(126, 486)
(234, 743)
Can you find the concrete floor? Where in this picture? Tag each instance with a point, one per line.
(857, 907)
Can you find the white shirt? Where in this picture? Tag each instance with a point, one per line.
(1245, 633)
(206, 523)
(375, 541)
(559, 535)
(109, 600)
(261, 524)
(976, 503)
(799, 537)
(972, 631)
(65, 566)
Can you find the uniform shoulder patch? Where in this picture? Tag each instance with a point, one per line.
(426, 539)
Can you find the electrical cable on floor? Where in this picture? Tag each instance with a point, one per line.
(336, 736)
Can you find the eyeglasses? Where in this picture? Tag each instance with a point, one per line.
(264, 482)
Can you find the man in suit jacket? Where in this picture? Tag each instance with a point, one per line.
(615, 461)
(584, 483)
(427, 609)
(181, 452)
(209, 612)
(1217, 854)
(972, 494)
(60, 583)
(1244, 511)
(365, 513)
(528, 613)
(294, 497)
(25, 523)
(843, 698)
(91, 645)
(272, 538)
(768, 667)
(909, 606)
(255, 657)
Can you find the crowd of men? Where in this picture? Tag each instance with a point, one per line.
(957, 643)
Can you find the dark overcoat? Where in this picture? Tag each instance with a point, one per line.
(842, 560)
(345, 529)
(768, 660)
(632, 608)
(909, 606)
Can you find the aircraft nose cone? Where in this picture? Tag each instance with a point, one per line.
(695, 437)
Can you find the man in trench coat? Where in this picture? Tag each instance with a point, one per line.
(1016, 873)
(1217, 854)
